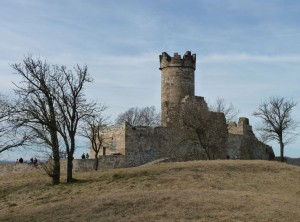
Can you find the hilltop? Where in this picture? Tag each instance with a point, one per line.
(200, 190)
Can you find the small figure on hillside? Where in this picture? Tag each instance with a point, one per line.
(21, 160)
(83, 156)
(31, 161)
(35, 161)
(87, 156)
(17, 161)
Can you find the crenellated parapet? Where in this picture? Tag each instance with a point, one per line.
(241, 128)
(188, 60)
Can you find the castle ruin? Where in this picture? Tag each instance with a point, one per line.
(138, 144)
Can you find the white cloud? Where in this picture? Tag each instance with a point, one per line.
(217, 58)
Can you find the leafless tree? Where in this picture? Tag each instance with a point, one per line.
(92, 129)
(10, 136)
(229, 110)
(72, 107)
(135, 116)
(52, 104)
(277, 121)
(35, 110)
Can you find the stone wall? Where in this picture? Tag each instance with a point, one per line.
(105, 162)
(293, 161)
(114, 141)
(207, 131)
(243, 144)
(137, 144)
(142, 144)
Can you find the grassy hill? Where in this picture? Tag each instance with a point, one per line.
(197, 191)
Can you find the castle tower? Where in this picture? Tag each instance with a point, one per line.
(177, 81)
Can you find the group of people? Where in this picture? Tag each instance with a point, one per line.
(85, 156)
(20, 160)
(33, 161)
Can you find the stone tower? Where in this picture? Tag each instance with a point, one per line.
(177, 81)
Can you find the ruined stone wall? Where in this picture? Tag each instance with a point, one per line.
(114, 140)
(201, 100)
(221, 135)
(137, 144)
(243, 144)
(143, 144)
(105, 162)
(205, 131)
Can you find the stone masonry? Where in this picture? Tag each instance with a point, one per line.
(242, 143)
(139, 145)
(177, 82)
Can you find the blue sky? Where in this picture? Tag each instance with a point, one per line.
(247, 50)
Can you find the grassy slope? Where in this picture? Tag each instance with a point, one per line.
(199, 190)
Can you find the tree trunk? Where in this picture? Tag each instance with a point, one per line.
(56, 172)
(70, 159)
(96, 161)
(56, 160)
(70, 169)
(281, 151)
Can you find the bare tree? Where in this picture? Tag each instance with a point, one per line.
(52, 105)
(229, 110)
(277, 121)
(135, 116)
(132, 116)
(35, 110)
(10, 136)
(93, 130)
(72, 107)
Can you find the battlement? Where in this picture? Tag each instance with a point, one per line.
(241, 128)
(188, 60)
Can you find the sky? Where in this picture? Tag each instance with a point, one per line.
(247, 50)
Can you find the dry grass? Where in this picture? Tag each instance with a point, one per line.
(196, 191)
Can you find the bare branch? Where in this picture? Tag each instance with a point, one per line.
(93, 130)
(229, 110)
(277, 121)
(135, 116)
